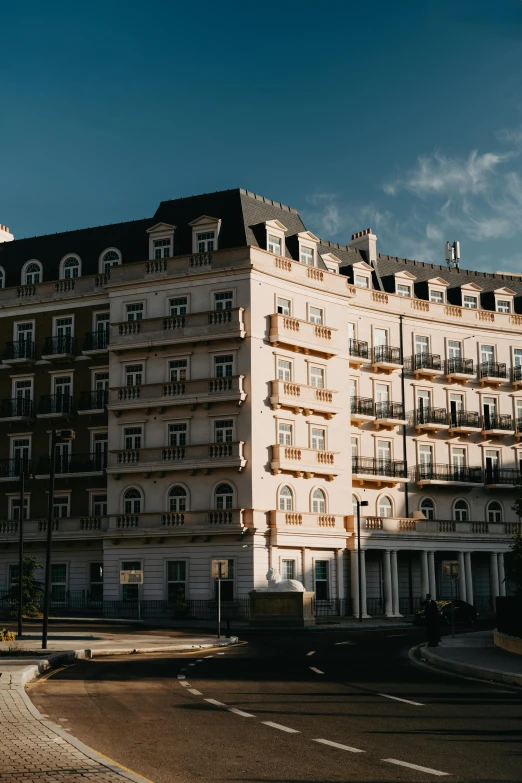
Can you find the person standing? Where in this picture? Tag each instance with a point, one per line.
(431, 613)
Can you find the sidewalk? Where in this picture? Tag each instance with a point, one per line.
(475, 655)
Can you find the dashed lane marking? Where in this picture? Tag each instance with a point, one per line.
(397, 698)
(195, 692)
(185, 684)
(199, 660)
(338, 643)
(181, 677)
(192, 664)
(428, 770)
(338, 745)
(216, 703)
(317, 671)
(209, 656)
(240, 712)
(312, 652)
(279, 726)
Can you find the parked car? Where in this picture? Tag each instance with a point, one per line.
(465, 614)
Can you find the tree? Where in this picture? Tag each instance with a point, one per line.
(32, 590)
(513, 564)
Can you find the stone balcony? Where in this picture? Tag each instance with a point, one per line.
(204, 391)
(177, 329)
(329, 529)
(205, 457)
(376, 527)
(304, 462)
(56, 290)
(181, 523)
(301, 398)
(302, 336)
(63, 528)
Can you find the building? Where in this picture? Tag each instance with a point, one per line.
(236, 385)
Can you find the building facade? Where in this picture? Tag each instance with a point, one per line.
(236, 386)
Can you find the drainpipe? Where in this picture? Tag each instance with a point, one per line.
(403, 396)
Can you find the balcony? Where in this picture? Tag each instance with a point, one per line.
(459, 370)
(11, 468)
(464, 423)
(20, 352)
(182, 523)
(96, 342)
(516, 376)
(303, 399)
(204, 457)
(424, 365)
(389, 415)
(361, 410)
(497, 425)
(386, 358)
(204, 391)
(383, 526)
(501, 478)
(17, 409)
(375, 472)
(358, 352)
(63, 528)
(493, 373)
(302, 335)
(55, 405)
(93, 401)
(460, 475)
(303, 462)
(429, 419)
(329, 529)
(58, 348)
(73, 464)
(179, 329)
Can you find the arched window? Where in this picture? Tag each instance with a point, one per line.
(109, 258)
(460, 511)
(427, 507)
(318, 502)
(178, 499)
(286, 499)
(494, 511)
(354, 505)
(224, 495)
(385, 506)
(70, 268)
(132, 501)
(2, 277)
(32, 274)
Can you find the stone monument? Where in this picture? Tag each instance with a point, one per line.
(284, 602)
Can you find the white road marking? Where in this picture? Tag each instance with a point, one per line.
(338, 643)
(216, 703)
(221, 653)
(209, 656)
(279, 726)
(195, 692)
(338, 745)
(417, 767)
(185, 684)
(240, 712)
(63, 719)
(395, 635)
(312, 652)
(192, 664)
(317, 671)
(181, 677)
(198, 660)
(396, 698)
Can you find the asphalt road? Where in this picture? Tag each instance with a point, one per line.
(309, 706)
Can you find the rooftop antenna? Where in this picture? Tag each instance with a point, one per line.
(452, 255)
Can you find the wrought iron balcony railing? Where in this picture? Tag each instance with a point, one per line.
(373, 466)
(358, 348)
(74, 463)
(460, 366)
(96, 341)
(498, 421)
(450, 473)
(428, 416)
(362, 405)
(57, 346)
(13, 468)
(423, 361)
(56, 403)
(386, 354)
(18, 407)
(93, 400)
(20, 349)
(465, 419)
(389, 410)
(517, 372)
(496, 475)
(493, 370)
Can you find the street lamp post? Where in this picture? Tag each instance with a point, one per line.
(60, 436)
(359, 573)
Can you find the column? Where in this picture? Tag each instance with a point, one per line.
(355, 582)
(425, 584)
(493, 577)
(388, 597)
(501, 574)
(469, 578)
(462, 578)
(363, 584)
(340, 580)
(431, 574)
(304, 566)
(395, 583)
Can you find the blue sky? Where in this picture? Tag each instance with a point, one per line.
(402, 115)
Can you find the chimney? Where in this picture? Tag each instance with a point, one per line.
(367, 242)
(5, 236)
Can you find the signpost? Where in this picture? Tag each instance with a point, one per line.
(219, 572)
(450, 570)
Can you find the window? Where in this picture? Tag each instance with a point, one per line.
(318, 502)
(503, 306)
(422, 344)
(70, 268)
(494, 511)
(317, 377)
(224, 365)
(456, 407)
(403, 290)
(60, 506)
(100, 381)
(318, 438)
(33, 273)
(224, 496)
(427, 507)
(23, 394)
(286, 499)
(354, 447)
(132, 502)
(460, 511)
(517, 357)
(206, 242)
(176, 579)
(24, 332)
(99, 505)
(14, 508)
(385, 507)
(132, 437)
(284, 433)
(454, 349)
(380, 337)
(96, 581)
(383, 448)
(131, 592)
(469, 302)
(283, 306)
(288, 569)
(134, 374)
(100, 450)
(102, 322)
(489, 409)
(321, 580)
(135, 311)
(487, 354)
(63, 327)
(162, 248)
(223, 431)
(178, 370)
(110, 258)
(361, 281)
(437, 297)
(306, 256)
(223, 300)
(177, 499)
(284, 370)
(425, 460)
(58, 581)
(274, 245)
(315, 315)
(20, 455)
(492, 465)
(178, 434)
(178, 306)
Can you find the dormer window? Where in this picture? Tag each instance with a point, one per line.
(275, 237)
(404, 290)
(205, 234)
(470, 296)
(306, 256)
(437, 297)
(109, 258)
(161, 241)
(206, 241)
(503, 306)
(70, 268)
(404, 284)
(504, 298)
(162, 248)
(307, 248)
(274, 245)
(32, 273)
(362, 281)
(469, 302)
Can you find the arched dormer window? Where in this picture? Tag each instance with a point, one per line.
(178, 499)
(2, 277)
(109, 258)
(494, 511)
(224, 496)
(286, 499)
(132, 501)
(318, 501)
(70, 267)
(32, 273)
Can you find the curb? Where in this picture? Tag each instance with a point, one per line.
(469, 670)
